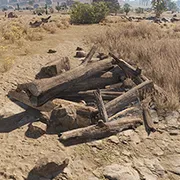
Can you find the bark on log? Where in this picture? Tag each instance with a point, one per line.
(101, 130)
(124, 100)
(115, 87)
(89, 55)
(40, 91)
(100, 105)
(54, 68)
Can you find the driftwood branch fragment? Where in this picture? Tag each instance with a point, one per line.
(101, 130)
(100, 105)
(89, 55)
(125, 99)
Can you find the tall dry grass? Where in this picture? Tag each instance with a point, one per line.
(154, 48)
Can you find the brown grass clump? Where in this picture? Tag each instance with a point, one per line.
(156, 50)
(50, 27)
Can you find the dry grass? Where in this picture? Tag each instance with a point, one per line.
(154, 48)
(17, 36)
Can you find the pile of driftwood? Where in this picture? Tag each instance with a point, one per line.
(84, 103)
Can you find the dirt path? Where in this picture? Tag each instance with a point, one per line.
(152, 156)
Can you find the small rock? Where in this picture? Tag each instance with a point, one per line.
(114, 139)
(154, 116)
(51, 51)
(129, 132)
(157, 151)
(172, 118)
(80, 54)
(120, 172)
(126, 153)
(135, 138)
(174, 132)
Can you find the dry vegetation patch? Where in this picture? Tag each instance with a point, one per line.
(152, 47)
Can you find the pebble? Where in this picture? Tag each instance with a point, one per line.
(114, 139)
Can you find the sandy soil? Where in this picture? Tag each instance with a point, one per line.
(19, 154)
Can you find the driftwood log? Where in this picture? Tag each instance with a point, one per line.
(100, 105)
(100, 80)
(124, 100)
(40, 91)
(81, 109)
(54, 68)
(101, 130)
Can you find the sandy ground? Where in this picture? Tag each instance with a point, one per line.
(152, 155)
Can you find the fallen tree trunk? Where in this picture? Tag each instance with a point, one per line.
(124, 100)
(101, 130)
(54, 68)
(81, 109)
(40, 91)
(100, 105)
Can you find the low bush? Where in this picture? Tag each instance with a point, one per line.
(87, 13)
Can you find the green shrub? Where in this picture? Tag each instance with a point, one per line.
(88, 14)
(139, 10)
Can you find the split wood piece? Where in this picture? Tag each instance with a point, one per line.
(129, 70)
(101, 130)
(107, 78)
(89, 55)
(124, 100)
(81, 109)
(131, 110)
(40, 91)
(148, 123)
(54, 68)
(100, 105)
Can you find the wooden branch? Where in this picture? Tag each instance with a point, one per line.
(100, 105)
(89, 55)
(124, 100)
(148, 123)
(40, 91)
(54, 68)
(125, 112)
(101, 130)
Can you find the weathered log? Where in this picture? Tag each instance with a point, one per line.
(101, 130)
(130, 71)
(81, 109)
(54, 68)
(40, 91)
(101, 80)
(89, 55)
(100, 105)
(124, 100)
